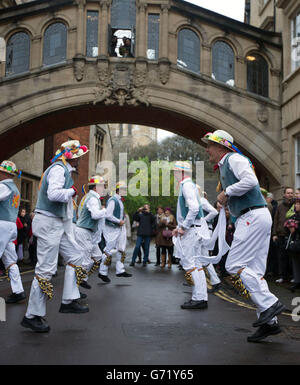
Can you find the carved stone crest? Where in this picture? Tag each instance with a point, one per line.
(262, 114)
(122, 86)
(164, 70)
(79, 68)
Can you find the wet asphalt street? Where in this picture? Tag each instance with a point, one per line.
(138, 321)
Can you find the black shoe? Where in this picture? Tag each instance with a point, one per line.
(268, 314)
(132, 264)
(104, 278)
(124, 274)
(264, 331)
(144, 264)
(85, 285)
(157, 264)
(14, 298)
(83, 296)
(37, 324)
(73, 307)
(149, 261)
(139, 261)
(215, 288)
(194, 305)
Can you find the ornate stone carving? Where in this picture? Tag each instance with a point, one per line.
(79, 68)
(262, 114)
(122, 86)
(164, 70)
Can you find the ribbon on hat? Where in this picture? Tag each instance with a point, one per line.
(67, 153)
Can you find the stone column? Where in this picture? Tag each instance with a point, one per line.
(36, 57)
(80, 27)
(240, 72)
(140, 38)
(164, 52)
(274, 84)
(206, 59)
(103, 48)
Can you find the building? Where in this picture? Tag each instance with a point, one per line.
(284, 16)
(132, 135)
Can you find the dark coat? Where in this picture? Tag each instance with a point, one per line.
(146, 226)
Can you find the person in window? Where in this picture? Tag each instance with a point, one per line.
(114, 41)
(125, 48)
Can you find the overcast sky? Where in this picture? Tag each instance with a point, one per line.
(229, 8)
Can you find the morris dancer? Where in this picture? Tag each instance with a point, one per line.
(115, 235)
(88, 231)
(9, 207)
(248, 253)
(52, 225)
(190, 221)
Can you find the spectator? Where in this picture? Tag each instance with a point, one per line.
(22, 227)
(293, 230)
(135, 225)
(32, 244)
(145, 230)
(158, 235)
(125, 49)
(279, 234)
(272, 262)
(166, 225)
(291, 211)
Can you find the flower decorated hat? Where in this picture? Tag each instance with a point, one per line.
(97, 179)
(182, 166)
(9, 167)
(220, 137)
(70, 150)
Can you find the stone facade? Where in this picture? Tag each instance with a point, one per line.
(157, 92)
(282, 17)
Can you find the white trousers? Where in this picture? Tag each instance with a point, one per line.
(85, 238)
(52, 240)
(115, 239)
(187, 249)
(8, 233)
(249, 251)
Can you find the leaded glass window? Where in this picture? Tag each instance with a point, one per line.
(17, 54)
(223, 63)
(92, 33)
(153, 36)
(188, 50)
(55, 44)
(123, 14)
(257, 75)
(295, 49)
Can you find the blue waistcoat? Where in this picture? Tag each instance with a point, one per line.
(10, 206)
(85, 219)
(236, 204)
(116, 213)
(182, 203)
(59, 209)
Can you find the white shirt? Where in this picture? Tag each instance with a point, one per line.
(190, 193)
(110, 210)
(243, 171)
(56, 192)
(206, 206)
(4, 190)
(93, 206)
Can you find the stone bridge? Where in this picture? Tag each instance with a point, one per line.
(188, 71)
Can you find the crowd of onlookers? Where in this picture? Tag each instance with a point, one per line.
(283, 263)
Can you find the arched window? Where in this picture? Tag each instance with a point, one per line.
(17, 54)
(55, 44)
(223, 63)
(188, 50)
(257, 75)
